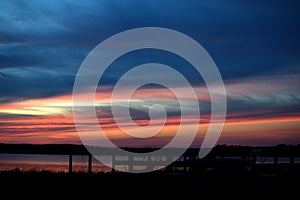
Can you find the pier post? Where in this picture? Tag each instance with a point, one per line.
(170, 160)
(70, 163)
(254, 159)
(113, 163)
(184, 162)
(275, 160)
(90, 163)
(130, 163)
(292, 161)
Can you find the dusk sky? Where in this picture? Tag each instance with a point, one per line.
(255, 45)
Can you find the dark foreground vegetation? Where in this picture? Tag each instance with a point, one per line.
(267, 181)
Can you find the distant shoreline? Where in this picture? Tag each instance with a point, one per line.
(65, 149)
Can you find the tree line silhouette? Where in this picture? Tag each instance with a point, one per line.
(220, 151)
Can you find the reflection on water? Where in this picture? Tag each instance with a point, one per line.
(54, 163)
(60, 163)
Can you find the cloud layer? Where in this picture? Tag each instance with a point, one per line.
(256, 46)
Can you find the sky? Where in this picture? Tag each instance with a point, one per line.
(255, 45)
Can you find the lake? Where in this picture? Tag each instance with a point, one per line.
(60, 163)
(54, 163)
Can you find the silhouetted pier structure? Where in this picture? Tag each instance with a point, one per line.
(222, 157)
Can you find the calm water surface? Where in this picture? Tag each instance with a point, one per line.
(60, 163)
(54, 163)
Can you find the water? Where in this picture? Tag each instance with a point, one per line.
(60, 163)
(54, 163)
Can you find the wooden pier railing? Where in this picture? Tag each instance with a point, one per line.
(220, 156)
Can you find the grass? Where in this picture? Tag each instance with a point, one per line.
(250, 183)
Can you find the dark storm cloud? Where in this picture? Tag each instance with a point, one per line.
(25, 83)
(42, 43)
(6, 38)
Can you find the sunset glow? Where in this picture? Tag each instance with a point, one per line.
(50, 120)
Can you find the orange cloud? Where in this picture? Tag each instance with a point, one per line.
(49, 120)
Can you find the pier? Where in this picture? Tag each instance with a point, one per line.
(221, 157)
